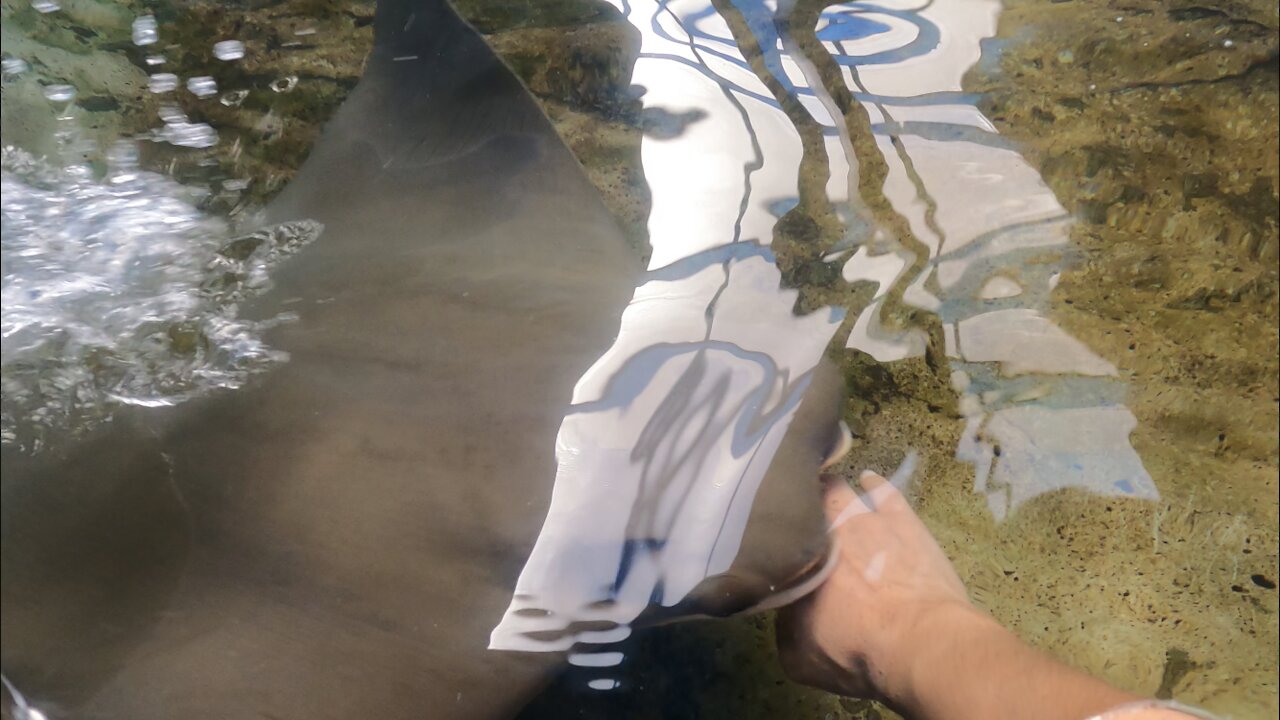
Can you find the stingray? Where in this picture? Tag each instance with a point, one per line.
(341, 537)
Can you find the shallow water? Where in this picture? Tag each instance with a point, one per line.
(1042, 239)
(119, 292)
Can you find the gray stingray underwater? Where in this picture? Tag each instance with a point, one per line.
(484, 458)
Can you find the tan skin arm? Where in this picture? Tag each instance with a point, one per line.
(894, 622)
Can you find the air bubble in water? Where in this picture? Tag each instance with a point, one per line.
(155, 60)
(14, 66)
(121, 291)
(228, 50)
(596, 659)
(60, 93)
(162, 82)
(603, 684)
(172, 114)
(234, 98)
(122, 160)
(285, 84)
(203, 86)
(45, 6)
(187, 134)
(235, 185)
(144, 30)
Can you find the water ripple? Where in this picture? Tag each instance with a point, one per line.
(120, 290)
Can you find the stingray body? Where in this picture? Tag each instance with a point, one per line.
(338, 539)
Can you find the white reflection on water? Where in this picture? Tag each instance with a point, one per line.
(982, 212)
(710, 360)
(673, 429)
(120, 290)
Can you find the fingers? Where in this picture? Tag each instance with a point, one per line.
(841, 502)
(880, 493)
(870, 480)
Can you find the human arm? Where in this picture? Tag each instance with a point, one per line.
(894, 622)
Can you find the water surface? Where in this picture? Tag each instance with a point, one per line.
(1039, 240)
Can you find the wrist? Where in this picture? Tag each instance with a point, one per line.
(961, 663)
(930, 646)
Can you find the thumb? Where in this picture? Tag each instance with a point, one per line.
(880, 493)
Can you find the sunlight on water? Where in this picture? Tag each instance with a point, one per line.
(694, 334)
(827, 197)
(120, 290)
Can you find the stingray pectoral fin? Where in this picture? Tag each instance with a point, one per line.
(354, 534)
(432, 92)
(785, 545)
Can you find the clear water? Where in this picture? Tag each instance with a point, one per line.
(119, 291)
(1038, 239)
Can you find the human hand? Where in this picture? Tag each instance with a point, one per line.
(893, 622)
(857, 633)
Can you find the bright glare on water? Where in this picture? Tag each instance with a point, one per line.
(1034, 240)
(120, 290)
